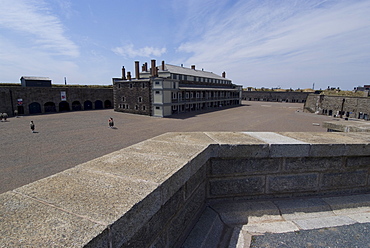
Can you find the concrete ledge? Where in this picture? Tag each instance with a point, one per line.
(347, 126)
(152, 193)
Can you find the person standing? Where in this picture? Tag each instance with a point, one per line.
(32, 126)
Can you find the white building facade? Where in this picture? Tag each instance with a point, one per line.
(170, 89)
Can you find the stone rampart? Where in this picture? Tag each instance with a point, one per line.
(275, 96)
(352, 107)
(151, 194)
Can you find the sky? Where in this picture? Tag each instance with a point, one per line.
(258, 43)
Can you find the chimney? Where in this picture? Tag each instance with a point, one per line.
(224, 74)
(123, 73)
(162, 65)
(193, 67)
(146, 66)
(154, 69)
(143, 67)
(128, 75)
(137, 73)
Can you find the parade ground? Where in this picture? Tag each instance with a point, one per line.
(64, 140)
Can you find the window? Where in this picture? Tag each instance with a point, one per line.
(174, 76)
(157, 83)
(119, 85)
(197, 95)
(127, 106)
(157, 92)
(140, 99)
(191, 95)
(123, 99)
(130, 85)
(144, 108)
(157, 107)
(187, 95)
(174, 95)
(143, 85)
(185, 77)
(174, 107)
(136, 107)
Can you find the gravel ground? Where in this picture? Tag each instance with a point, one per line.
(64, 140)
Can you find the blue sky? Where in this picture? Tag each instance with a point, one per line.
(259, 43)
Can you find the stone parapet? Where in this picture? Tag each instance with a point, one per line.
(151, 194)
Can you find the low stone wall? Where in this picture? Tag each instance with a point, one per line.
(151, 194)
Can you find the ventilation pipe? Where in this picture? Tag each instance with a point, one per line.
(137, 73)
(123, 73)
(128, 75)
(224, 74)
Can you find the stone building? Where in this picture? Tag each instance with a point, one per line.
(38, 100)
(339, 106)
(168, 89)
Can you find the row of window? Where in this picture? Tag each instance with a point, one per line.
(199, 79)
(190, 95)
(143, 85)
(137, 107)
(139, 99)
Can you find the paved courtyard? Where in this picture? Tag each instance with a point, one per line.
(64, 140)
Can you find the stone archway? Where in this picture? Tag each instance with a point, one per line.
(34, 108)
(88, 105)
(98, 104)
(107, 104)
(49, 107)
(64, 106)
(76, 106)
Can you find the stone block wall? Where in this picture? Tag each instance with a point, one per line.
(285, 177)
(275, 96)
(151, 194)
(353, 107)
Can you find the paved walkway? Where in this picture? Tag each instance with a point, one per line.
(341, 221)
(64, 140)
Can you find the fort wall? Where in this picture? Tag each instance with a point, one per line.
(352, 107)
(35, 100)
(151, 194)
(275, 96)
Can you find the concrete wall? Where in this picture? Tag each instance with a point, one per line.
(151, 194)
(331, 105)
(274, 96)
(43, 95)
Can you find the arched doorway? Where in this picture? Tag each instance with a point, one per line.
(107, 104)
(64, 106)
(98, 104)
(49, 107)
(34, 108)
(87, 105)
(76, 106)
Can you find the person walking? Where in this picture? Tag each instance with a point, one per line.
(111, 122)
(32, 126)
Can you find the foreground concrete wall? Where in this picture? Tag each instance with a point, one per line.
(152, 193)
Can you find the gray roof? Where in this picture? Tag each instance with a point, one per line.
(188, 71)
(36, 78)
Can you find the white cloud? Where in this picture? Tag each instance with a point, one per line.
(273, 39)
(35, 23)
(131, 52)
